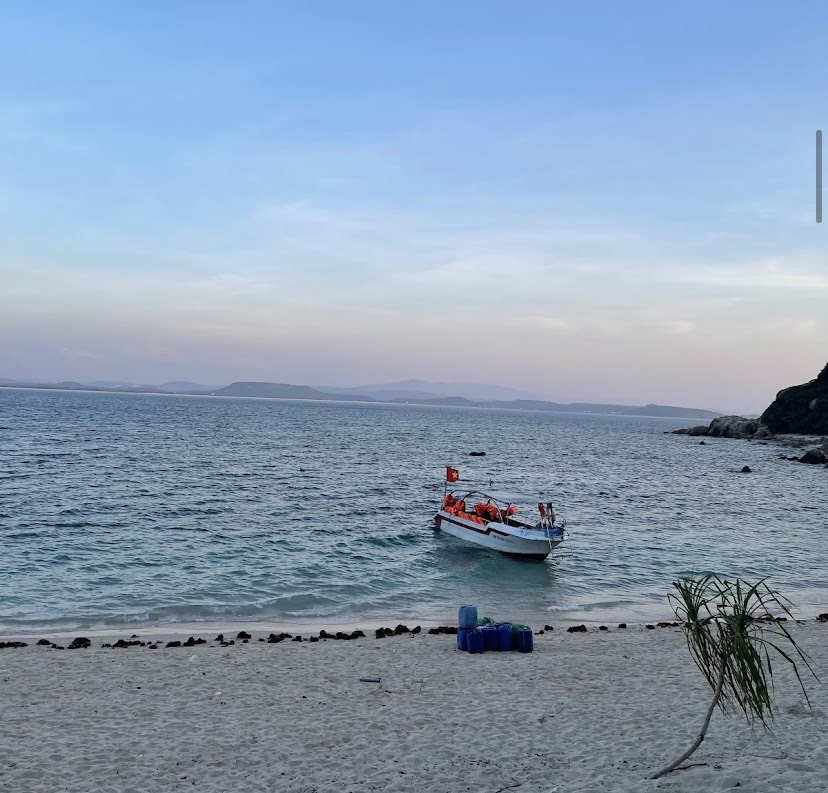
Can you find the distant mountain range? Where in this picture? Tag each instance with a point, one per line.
(417, 392)
(424, 389)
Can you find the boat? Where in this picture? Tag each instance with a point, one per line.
(493, 519)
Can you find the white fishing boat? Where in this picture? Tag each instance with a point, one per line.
(493, 519)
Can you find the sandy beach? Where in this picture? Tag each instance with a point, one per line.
(586, 711)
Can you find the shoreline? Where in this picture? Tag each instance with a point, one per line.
(182, 631)
(647, 613)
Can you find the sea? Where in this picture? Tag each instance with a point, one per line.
(133, 510)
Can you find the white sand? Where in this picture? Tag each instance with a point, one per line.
(585, 712)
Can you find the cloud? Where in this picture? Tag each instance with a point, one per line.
(798, 271)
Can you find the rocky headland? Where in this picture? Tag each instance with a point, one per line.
(798, 417)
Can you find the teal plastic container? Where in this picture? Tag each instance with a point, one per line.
(467, 617)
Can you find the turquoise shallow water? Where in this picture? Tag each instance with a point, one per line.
(135, 509)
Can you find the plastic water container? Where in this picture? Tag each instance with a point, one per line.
(504, 637)
(474, 641)
(523, 640)
(467, 617)
(490, 637)
(462, 638)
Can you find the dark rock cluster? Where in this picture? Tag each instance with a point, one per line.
(275, 638)
(9, 645)
(577, 629)
(129, 643)
(381, 633)
(729, 427)
(341, 635)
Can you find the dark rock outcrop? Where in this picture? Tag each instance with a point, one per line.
(729, 427)
(815, 457)
(800, 409)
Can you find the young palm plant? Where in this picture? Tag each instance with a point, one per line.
(732, 634)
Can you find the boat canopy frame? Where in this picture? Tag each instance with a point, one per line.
(509, 499)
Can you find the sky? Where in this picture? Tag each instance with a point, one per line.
(592, 200)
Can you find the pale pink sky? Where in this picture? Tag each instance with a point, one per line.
(597, 206)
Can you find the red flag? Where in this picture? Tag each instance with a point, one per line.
(452, 474)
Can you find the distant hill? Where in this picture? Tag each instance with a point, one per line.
(382, 394)
(655, 411)
(425, 389)
(182, 387)
(281, 391)
(800, 408)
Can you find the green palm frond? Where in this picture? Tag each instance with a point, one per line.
(731, 628)
(733, 631)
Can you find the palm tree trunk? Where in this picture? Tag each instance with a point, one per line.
(698, 742)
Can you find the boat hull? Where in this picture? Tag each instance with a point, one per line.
(496, 537)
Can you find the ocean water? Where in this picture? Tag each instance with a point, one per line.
(120, 509)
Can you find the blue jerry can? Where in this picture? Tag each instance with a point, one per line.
(467, 617)
(474, 641)
(524, 640)
(504, 637)
(490, 637)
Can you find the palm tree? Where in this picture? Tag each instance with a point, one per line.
(731, 635)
